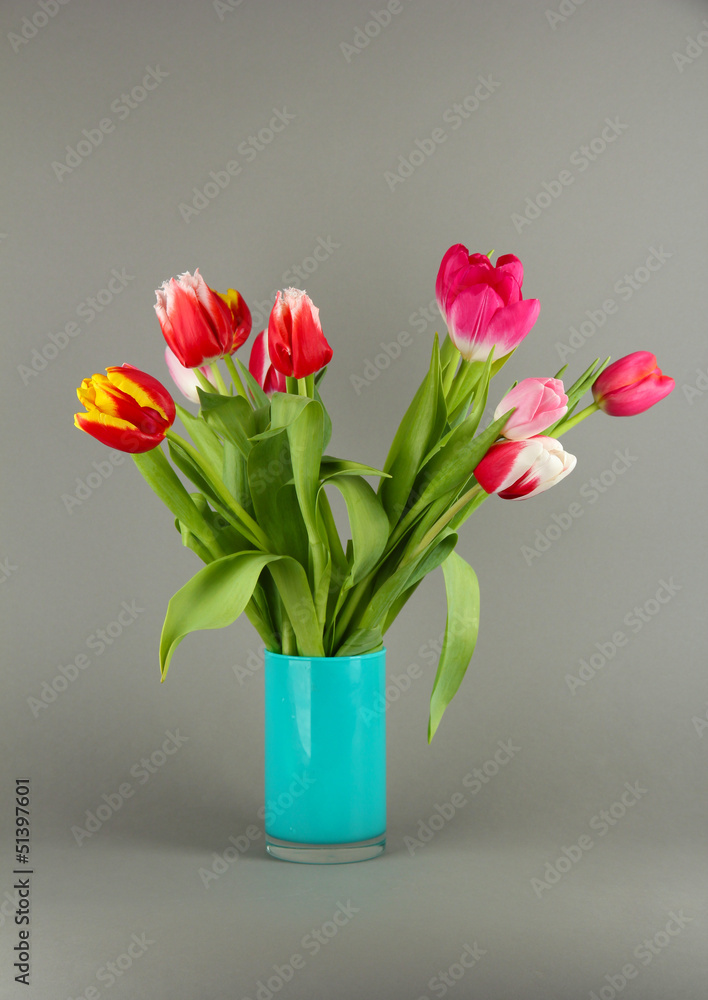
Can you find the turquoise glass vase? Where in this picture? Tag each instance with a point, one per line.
(325, 757)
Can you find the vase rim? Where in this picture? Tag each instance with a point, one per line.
(323, 659)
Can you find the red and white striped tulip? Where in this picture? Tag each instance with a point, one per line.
(296, 345)
(539, 403)
(517, 470)
(199, 324)
(482, 303)
(631, 385)
(261, 367)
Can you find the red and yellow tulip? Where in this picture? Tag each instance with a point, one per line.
(126, 408)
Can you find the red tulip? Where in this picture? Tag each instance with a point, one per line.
(261, 367)
(482, 304)
(517, 470)
(199, 324)
(539, 403)
(631, 385)
(296, 344)
(127, 409)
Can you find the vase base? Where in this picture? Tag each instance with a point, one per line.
(326, 854)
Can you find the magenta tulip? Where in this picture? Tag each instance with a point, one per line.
(631, 385)
(517, 470)
(199, 324)
(539, 403)
(261, 367)
(482, 304)
(296, 344)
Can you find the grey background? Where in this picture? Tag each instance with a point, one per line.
(637, 720)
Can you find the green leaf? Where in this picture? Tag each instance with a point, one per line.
(331, 467)
(260, 398)
(213, 598)
(368, 523)
(461, 630)
(422, 425)
(364, 640)
(231, 416)
(291, 580)
(164, 481)
(274, 501)
(203, 436)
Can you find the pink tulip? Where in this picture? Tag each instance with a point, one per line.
(296, 344)
(631, 385)
(517, 470)
(482, 304)
(539, 403)
(199, 324)
(261, 367)
(184, 378)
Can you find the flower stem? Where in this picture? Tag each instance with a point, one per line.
(233, 372)
(218, 378)
(203, 380)
(302, 387)
(568, 425)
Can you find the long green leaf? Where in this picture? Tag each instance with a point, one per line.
(368, 522)
(461, 630)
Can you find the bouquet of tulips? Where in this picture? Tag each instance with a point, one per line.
(256, 453)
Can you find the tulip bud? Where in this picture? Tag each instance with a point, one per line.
(261, 367)
(517, 470)
(127, 409)
(482, 303)
(631, 385)
(199, 324)
(539, 403)
(296, 344)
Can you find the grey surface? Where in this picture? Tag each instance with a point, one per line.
(637, 719)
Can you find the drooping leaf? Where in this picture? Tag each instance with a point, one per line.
(461, 630)
(364, 640)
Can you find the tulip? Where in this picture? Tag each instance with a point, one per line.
(482, 304)
(261, 367)
(199, 324)
(296, 344)
(127, 409)
(539, 403)
(631, 385)
(185, 378)
(517, 470)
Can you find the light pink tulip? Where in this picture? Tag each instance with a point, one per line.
(184, 378)
(539, 403)
(517, 470)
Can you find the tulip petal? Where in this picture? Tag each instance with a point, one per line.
(469, 318)
(510, 325)
(633, 399)
(144, 389)
(184, 378)
(116, 433)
